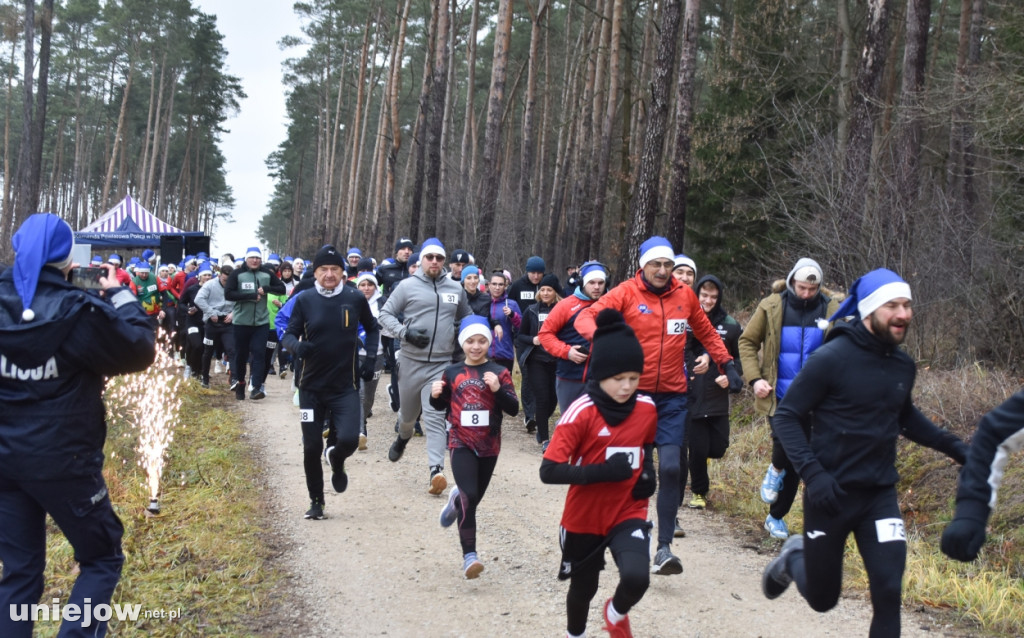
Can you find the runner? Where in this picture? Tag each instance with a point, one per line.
(473, 395)
(603, 448)
(533, 356)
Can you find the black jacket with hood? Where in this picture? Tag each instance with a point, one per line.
(707, 398)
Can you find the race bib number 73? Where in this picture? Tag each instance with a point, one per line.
(890, 529)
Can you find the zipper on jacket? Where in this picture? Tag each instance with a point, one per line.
(437, 311)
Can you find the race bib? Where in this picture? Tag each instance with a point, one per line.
(632, 452)
(542, 316)
(676, 326)
(151, 288)
(207, 341)
(194, 330)
(526, 294)
(449, 298)
(271, 345)
(306, 415)
(247, 285)
(476, 418)
(890, 529)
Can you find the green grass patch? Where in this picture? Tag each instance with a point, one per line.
(205, 554)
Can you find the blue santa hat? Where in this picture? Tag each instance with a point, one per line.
(274, 259)
(239, 262)
(148, 255)
(871, 292)
(97, 260)
(204, 267)
(432, 246)
(115, 259)
(593, 270)
(656, 248)
(354, 251)
(254, 251)
(683, 260)
(201, 255)
(366, 276)
(141, 266)
(43, 240)
(474, 325)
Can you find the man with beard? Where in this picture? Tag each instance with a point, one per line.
(855, 396)
(432, 306)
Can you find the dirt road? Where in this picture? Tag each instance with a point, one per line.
(381, 565)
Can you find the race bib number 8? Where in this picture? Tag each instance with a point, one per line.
(676, 326)
(890, 529)
(476, 418)
(632, 452)
(306, 416)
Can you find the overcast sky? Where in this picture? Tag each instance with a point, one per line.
(252, 30)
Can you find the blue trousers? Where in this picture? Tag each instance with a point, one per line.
(81, 508)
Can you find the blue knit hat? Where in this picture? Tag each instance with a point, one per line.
(354, 251)
(470, 270)
(474, 325)
(871, 292)
(254, 251)
(44, 239)
(535, 264)
(656, 248)
(432, 246)
(683, 260)
(593, 270)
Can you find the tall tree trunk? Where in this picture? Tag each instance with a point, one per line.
(526, 160)
(909, 150)
(344, 232)
(676, 205)
(118, 135)
(25, 202)
(394, 88)
(420, 132)
(149, 139)
(491, 174)
(467, 159)
(845, 92)
(607, 127)
(643, 207)
(435, 127)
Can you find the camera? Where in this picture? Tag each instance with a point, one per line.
(88, 278)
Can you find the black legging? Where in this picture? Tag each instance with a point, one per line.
(873, 517)
(472, 474)
(250, 347)
(542, 381)
(790, 482)
(194, 350)
(708, 439)
(268, 358)
(341, 410)
(220, 337)
(632, 557)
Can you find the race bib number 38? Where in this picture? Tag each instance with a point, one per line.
(632, 452)
(890, 529)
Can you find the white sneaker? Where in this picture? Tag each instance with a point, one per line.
(218, 368)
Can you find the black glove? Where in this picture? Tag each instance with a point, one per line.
(417, 337)
(647, 482)
(303, 348)
(616, 468)
(735, 380)
(824, 493)
(963, 538)
(367, 368)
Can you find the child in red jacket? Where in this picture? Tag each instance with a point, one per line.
(473, 395)
(602, 448)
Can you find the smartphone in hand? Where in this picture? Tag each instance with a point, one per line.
(88, 277)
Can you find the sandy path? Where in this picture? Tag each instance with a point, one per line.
(381, 565)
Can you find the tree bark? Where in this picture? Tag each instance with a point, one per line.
(680, 188)
(909, 150)
(527, 157)
(420, 134)
(435, 126)
(25, 202)
(607, 126)
(394, 88)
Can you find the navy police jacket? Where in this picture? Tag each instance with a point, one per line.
(52, 369)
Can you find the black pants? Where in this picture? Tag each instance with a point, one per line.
(790, 482)
(472, 474)
(585, 552)
(82, 510)
(217, 337)
(271, 350)
(873, 517)
(708, 439)
(526, 392)
(194, 350)
(542, 382)
(342, 412)
(250, 347)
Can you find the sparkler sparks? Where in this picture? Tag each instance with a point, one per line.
(150, 402)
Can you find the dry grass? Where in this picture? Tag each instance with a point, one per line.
(987, 594)
(204, 554)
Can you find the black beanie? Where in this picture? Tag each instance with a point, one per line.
(615, 348)
(551, 280)
(328, 256)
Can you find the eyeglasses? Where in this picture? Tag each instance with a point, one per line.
(432, 257)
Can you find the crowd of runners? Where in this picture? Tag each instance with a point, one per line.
(640, 374)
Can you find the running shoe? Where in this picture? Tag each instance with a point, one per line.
(619, 629)
(205, 384)
(531, 425)
(776, 577)
(316, 510)
(471, 566)
(698, 502)
(393, 397)
(284, 373)
(678, 531)
(240, 391)
(234, 384)
(339, 480)
(437, 481)
(258, 393)
(417, 430)
(397, 449)
(544, 446)
(772, 484)
(272, 371)
(362, 441)
(776, 527)
(666, 563)
(449, 514)
(218, 368)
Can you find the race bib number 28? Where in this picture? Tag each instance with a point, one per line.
(676, 326)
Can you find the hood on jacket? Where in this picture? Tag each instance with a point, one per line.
(47, 333)
(717, 311)
(803, 262)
